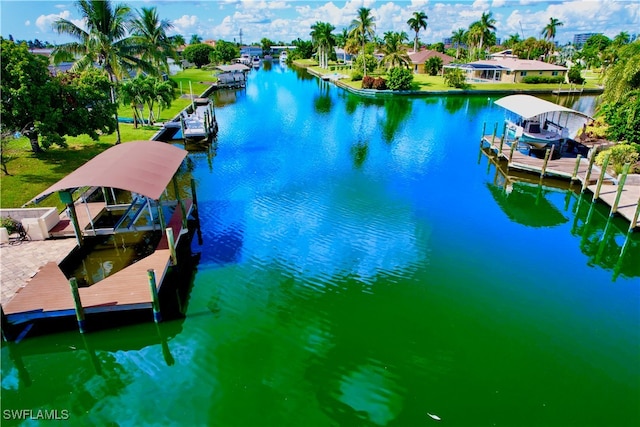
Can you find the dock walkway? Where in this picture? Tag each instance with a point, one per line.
(48, 293)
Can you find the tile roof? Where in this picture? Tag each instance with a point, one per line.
(521, 64)
(423, 56)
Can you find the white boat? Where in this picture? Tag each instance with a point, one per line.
(256, 61)
(539, 123)
(245, 59)
(201, 122)
(283, 56)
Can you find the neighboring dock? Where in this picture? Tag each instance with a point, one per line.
(624, 199)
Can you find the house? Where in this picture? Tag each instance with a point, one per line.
(508, 70)
(418, 59)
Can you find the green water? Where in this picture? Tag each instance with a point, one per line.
(362, 265)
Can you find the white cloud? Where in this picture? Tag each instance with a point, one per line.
(480, 5)
(27, 23)
(185, 24)
(45, 22)
(498, 3)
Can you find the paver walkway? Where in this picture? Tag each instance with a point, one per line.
(21, 261)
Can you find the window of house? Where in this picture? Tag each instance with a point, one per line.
(554, 73)
(523, 73)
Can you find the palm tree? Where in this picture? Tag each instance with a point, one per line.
(473, 37)
(195, 39)
(394, 49)
(457, 38)
(623, 77)
(104, 42)
(341, 41)
(549, 31)
(417, 21)
(486, 25)
(621, 38)
(324, 40)
(177, 40)
(363, 30)
(151, 32)
(512, 40)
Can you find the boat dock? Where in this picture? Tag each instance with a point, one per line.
(48, 293)
(624, 199)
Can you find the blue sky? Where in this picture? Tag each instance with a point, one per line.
(284, 20)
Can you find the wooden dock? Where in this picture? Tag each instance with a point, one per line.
(48, 293)
(574, 168)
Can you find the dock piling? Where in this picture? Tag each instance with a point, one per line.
(574, 175)
(78, 304)
(155, 302)
(172, 245)
(623, 179)
(603, 171)
(484, 129)
(504, 131)
(547, 156)
(513, 148)
(587, 176)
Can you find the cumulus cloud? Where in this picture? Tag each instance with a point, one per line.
(185, 24)
(45, 22)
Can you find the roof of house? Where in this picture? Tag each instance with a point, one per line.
(143, 167)
(514, 64)
(529, 106)
(423, 56)
(233, 68)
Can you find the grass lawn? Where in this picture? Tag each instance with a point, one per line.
(32, 173)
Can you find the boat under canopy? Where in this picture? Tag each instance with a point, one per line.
(528, 106)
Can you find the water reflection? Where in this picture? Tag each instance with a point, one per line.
(397, 110)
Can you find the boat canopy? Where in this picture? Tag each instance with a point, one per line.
(143, 167)
(528, 106)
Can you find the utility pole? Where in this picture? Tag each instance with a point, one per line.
(241, 37)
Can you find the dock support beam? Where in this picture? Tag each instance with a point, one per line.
(504, 131)
(172, 245)
(513, 147)
(67, 199)
(603, 171)
(587, 176)
(634, 220)
(484, 129)
(78, 304)
(575, 170)
(623, 179)
(547, 157)
(155, 302)
(180, 202)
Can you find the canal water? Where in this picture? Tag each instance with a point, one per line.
(363, 264)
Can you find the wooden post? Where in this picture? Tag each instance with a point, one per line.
(155, 302)
(513, 147)
(587, 176)
(484, 129)
(67, 199)
(78, 304)
(634, 220)
(180, 202)
(547, 156)
(575, 170)
(172, 245)
(495, 131)
(603, 171)
(161, 219)
(623, 179)
(504, 131)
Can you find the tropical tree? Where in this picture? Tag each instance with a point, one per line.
(621, 38)
(394, 50)
(266, 44)
(485, 26)
(549, 31)
(342, 39)
(416, 22)
(104, 40)
(473, 37)
(323, 40)
(624, 76)
(195, 39)
(46, 108)
(363, 29)
(226, 51)
(433, 65)
(457, 38)
(151, 32)
(177, 41)
(198, 53)
(513, 40)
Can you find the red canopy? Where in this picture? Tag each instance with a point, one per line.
(143, 167)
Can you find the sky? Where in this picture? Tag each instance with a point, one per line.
(286, 20)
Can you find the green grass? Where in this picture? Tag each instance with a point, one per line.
(32, 173)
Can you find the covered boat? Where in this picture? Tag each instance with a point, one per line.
(538, 122)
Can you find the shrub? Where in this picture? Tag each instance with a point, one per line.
(620, 155)
(370, 61)
(542, 79)
(455, 78)
(380, 84)
(356, 75)
(9, 223)
(433, 65)
(575, 75)
(367, 82)
(197, 54)
(399, 79)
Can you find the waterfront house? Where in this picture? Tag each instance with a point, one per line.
(418, 59)
(507, 69)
